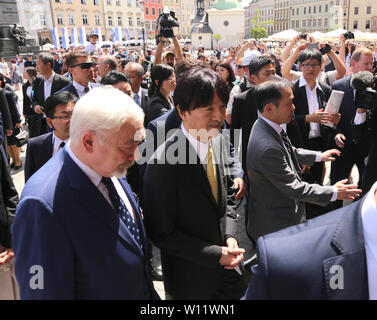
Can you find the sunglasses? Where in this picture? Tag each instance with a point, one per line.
(85, 65)
(240, 67)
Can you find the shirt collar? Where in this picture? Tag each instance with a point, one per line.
(79, 87)
(200, 147)
(92, 175)
(138, 93)
(304, 83)
(274, 125)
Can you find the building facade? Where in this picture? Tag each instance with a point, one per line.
(78, 13)
(312, 15)
(124, 14)
(250, 10)
(363, 15)
(35, 17)
(265, 17)
(281, 15)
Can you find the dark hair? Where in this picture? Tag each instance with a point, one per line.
(114, 77)
(275, 60)
(196, 88)
(256, 64)
(227, 66)
(2, 79)
(187, 64)
(270, 92)
(55, 99)
(31, 71)
(46, 57)
(12, 60)
(310, 54)
(123, 62)
(73, 55)
(159, 72)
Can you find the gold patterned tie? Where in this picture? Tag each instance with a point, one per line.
(211, 173)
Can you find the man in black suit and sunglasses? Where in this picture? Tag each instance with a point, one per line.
(81, 67)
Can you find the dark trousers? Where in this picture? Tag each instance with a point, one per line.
(314, 175)
(37, 125)
(341, 168)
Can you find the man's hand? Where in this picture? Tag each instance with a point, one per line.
(18, 125)
(328, 155)
(347, 191)
(239, 184)
(9, 132)
(232, 255)
(6, 256)
(302, 46)
(38, 109)
(339, 140)
(304, 167)
(335, 118)
(319, 116)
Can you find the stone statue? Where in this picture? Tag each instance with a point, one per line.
(15, 33)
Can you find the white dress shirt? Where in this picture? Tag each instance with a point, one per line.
(95, 178)
(200, 147)
(48, 85)
(318, 157)
(369, 221)
(313, 105)
(80, 89)
(56, 142)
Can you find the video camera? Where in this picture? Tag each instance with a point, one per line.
(166, 21)
(349, 35)
(365, 84)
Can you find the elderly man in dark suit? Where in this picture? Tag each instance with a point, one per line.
(81, 235)
(43, 86)
(277, 191)
(58, 110)
(352, 153)
(331, 257)
(193, 219)
(135, 72)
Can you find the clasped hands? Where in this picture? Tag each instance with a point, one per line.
(321, 116)
(232, 255)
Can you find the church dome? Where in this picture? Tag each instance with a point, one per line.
(226, 4)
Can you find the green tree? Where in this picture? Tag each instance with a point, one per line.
(217, 37)
(258, 33)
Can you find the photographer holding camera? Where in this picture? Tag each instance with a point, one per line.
(327, 77)
(165, 23)
(364, 126)
(352, 152)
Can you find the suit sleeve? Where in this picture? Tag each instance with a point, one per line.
(43, 252)
(259, 287)
(29, 163)
(5, 111)
(305, 156)
(35, 97)
(276, 169)
(160, 208)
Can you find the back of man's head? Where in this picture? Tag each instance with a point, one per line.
(270, 92)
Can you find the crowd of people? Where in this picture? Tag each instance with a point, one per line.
(130, 149)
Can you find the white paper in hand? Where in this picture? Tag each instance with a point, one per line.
(333, 105)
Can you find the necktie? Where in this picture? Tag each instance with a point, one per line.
(86, 90)
(137, 99)
(61, 145)
(286, 141)
(121, 209)
(211, 173)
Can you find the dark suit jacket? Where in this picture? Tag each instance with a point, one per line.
(244, 114)
(5, 112)
(298, 129)
(8, 203)
(157, 106)
(27, 107)
(98, 256)
(185, 222)
(301, 262)
(38, 152)
(144, 98)
(58, 83)
(73, 90)
(347, 108)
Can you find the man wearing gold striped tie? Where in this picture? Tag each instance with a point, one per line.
(192, 218)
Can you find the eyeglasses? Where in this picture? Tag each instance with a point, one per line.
(85, 65)
(307, 65)
(65, 117)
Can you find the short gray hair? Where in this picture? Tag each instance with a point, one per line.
(101, 110)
